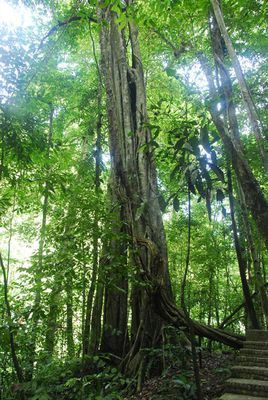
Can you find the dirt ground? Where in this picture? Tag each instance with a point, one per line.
(176, 383)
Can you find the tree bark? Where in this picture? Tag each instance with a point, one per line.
(134, 177)
(174, 316)
(241, 260)
(116, 290)
(250, 105)
(254, 196)
(94, 341)
(259, 279)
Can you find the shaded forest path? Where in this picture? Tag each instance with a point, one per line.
(249, 379)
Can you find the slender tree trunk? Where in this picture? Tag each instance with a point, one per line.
(89, 302)
(92, 331)
(259, 280)
(250, 105)
(15, 359)
(217, 303)
(210, 304)
(52, 320)
(95, 336)
(228, 280)
(69, 317)
(10, 234)
(228, 108)
(263, 265)
(39, 268)
(241, 260)
(83, 316)
(96, 231)
(3, 145)
(183, 305)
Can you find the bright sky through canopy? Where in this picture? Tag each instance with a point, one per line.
(13, 16)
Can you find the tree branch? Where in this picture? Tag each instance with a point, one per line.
(68, 21)
(177, 51)
(237, 309)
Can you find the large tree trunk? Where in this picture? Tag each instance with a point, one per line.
(133, 186)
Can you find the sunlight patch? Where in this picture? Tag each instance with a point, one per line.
(14, 16)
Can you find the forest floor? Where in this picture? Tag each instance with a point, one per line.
(177, 383)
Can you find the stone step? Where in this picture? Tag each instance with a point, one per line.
(247, 387)
(232, 396)
(252, 361)
(254, 352)
(249, 344)
(246, 372)
(256, 335)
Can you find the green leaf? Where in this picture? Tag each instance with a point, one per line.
(204, 139)
(194, 174)
(176, 204)
(208, 204)
(220, 195)
(154, 143)
(188, 147)
(174, 171)
(179, 143)
(191, 187)
(213, 157)
(171, 72)
(200, 187)
(217, 171)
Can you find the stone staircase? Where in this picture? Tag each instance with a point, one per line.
(249, 379)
